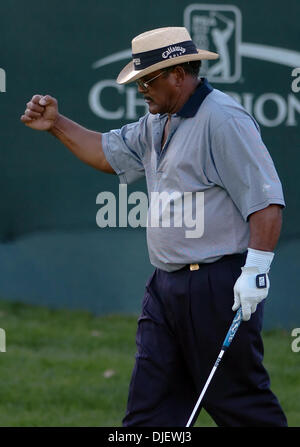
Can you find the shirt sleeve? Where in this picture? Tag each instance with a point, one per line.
(244, 167)
(124, 149)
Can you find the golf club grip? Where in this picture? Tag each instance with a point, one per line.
(233, 328)
(228, 339)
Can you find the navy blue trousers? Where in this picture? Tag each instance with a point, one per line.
(185, 317)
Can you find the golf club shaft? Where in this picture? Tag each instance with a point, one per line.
(228, 339)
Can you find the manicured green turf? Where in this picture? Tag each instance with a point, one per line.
(67, 368)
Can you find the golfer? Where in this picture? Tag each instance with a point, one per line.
(197, 142)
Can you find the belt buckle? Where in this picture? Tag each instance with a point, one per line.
(194, 267)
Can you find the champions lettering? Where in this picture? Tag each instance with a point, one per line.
(128, 105)
(168, 53)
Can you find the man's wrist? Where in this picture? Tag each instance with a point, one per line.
(56, 127)
(260, 259)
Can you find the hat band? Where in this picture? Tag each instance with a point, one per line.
(148, 58)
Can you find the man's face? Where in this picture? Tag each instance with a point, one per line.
(161, 93)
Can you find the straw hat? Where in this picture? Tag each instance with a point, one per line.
(161, 48)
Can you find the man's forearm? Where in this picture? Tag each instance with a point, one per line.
(84, 143)
(265, 227)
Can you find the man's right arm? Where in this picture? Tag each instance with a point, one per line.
(42, 114)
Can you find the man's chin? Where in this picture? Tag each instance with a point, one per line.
(153, 108)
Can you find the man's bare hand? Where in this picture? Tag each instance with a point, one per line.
(41, 112)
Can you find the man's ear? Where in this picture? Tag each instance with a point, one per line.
(179, 75)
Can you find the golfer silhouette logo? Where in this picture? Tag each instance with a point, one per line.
(221, 38)
(217, 28)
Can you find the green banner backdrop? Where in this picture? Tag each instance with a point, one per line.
(51, 250)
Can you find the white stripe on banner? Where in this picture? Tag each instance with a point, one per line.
(271, 54)
(267, 53)
(125, 54)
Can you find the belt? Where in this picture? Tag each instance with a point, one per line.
(193, 267)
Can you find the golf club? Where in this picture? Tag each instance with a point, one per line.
(228, 339)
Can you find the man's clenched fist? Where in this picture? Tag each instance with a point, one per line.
(41, 112)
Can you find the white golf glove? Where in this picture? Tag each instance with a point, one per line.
(253, 284)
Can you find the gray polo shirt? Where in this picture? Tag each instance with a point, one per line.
(215, 164)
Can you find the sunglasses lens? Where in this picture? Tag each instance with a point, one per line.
(140, 83)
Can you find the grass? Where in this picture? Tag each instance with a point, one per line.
(67, 368)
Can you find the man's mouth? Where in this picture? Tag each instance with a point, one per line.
(147, 99)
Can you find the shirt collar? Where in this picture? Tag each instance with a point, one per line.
(190, 108)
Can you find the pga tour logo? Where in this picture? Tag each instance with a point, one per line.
(217, 28)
